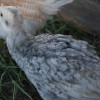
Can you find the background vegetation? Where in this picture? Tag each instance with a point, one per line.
(13, 83)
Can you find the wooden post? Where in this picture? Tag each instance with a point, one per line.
(85, 13)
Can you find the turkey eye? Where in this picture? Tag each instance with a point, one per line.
(1, 15)
(6, 22)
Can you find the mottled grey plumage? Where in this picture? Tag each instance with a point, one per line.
(60, 67)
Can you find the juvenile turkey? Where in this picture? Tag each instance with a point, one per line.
(60, 67)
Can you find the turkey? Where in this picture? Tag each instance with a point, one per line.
(60, 67)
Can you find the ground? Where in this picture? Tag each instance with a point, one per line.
(13, 83)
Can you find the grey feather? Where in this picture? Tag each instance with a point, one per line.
(60, 67)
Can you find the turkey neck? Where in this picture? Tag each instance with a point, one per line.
(15, 38)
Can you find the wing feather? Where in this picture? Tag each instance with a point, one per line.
(61, 68)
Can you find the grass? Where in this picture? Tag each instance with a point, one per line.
(13, 83)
